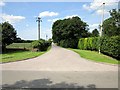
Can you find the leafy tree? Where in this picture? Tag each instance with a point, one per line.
(95, 33)
(111, 26)
(8, 34)
(69, 29)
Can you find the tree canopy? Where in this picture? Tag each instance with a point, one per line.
(95, 33)
(70, 29)
(111, 26)
(8, 34)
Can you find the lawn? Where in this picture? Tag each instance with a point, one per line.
(17, 52)
(19, 55)
(95, 56)
(20, 45)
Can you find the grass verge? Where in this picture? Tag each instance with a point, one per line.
(19, 55)
(95, 56)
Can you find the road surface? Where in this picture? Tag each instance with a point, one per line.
(59, 67)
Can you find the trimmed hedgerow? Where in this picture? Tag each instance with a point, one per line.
(88, 43)
(108, 45)
(111, 46)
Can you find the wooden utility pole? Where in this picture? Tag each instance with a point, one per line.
(101, 27)
(38, 20)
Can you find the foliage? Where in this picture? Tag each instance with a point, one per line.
(88, 43)
(111, 46)
(108, 45)
(69, 29)
(19, 40)
(41, 44)
(8, 34)
(95, 33)
(71, 43)
(111, 26)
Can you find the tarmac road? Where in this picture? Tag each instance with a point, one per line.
(58, 68)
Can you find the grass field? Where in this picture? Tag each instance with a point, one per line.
(95, 56)
(20, 45)
(16, 52)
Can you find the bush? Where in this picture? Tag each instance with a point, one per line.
(41, 44)
(68, 43)
(88, 43)
(111, 46)
(108, 45)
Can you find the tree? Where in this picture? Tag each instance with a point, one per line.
(111, 26)
(95, 33)
(70, 29)
(8, 34)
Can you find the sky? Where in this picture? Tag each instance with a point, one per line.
(23, 15)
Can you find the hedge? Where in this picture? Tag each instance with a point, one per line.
(41, 44)
(88, 43)
(111, 46)
(68, 43)
(108, 45)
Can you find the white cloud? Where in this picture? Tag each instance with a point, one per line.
(2, 3)
(96, 6)
(93, 26)
(11, 18)
(85, 6)
(48, 14)
(66, 17)
(70, 16)
(53, 20)
(99, 12)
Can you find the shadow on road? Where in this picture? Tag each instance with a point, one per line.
(45, 83)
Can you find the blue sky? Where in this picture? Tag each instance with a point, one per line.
(22, 15)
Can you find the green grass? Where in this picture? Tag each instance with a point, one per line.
(95, 56)
(16, 52)
(20, 45)
(19, 55)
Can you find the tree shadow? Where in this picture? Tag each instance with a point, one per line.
(45, 83)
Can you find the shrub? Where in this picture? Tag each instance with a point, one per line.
(69, 43)
(111, 46)
(88, 43)
(41, 44)
(108, 45)
(81, 44)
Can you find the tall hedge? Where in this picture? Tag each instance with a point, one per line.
(88, 43)
(111, 46)
(108, 45)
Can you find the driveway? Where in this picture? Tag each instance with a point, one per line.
(61, 67)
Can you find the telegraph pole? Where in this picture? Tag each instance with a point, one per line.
(46, 36)
(38, 20)
(101, 27)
